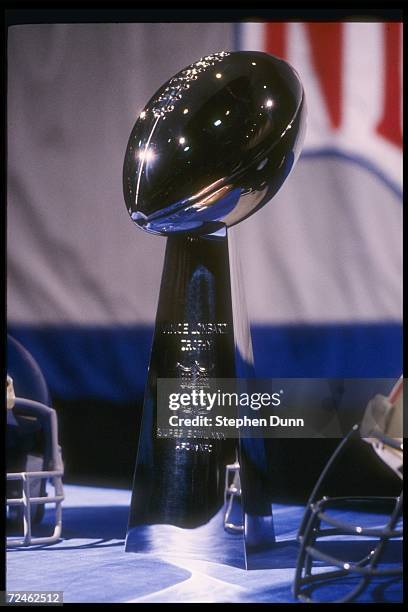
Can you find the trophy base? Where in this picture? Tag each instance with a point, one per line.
(209, 542)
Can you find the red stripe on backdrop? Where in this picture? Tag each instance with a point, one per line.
(326, 47)
(275, 39)
(390, 123)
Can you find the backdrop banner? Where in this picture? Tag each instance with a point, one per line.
(323, 285)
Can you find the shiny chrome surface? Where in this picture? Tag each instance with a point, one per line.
(214, 144)
(179, 482)
(211, 147)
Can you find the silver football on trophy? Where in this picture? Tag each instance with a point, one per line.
(214, 144)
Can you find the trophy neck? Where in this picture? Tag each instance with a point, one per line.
(201, 319)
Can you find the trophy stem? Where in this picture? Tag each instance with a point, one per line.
(182, 501)
(180, 482)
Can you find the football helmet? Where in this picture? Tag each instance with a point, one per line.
(329, 534)
(33, 456)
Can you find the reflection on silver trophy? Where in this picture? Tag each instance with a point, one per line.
(212, 146)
